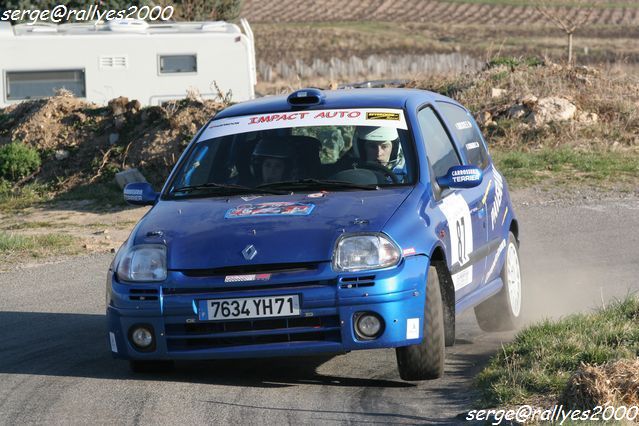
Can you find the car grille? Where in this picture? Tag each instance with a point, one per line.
(211, 335)
(260, 286)
(143, 294)
(356, 282)
(278, 268)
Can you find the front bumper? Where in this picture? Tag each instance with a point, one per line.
(328, 303)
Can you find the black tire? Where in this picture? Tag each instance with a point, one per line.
(498, 312)
(138, 366)
(425, 361)
(445, 282)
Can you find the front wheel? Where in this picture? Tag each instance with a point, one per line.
(503, 311)
(426, 360)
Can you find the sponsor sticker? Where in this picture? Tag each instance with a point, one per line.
(409, 251)
(472, 145)
(463, 278)
(483, 200)
(114, 344)
(243, 278)
(133, 194)
(382, 116)
(248, 198)
(385, 117)
(499, 195)
(459, 176)
(318, 194)
(270, 209)
(500, 249)
(412, 328)
(463, 125)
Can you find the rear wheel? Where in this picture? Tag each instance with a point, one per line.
(503, 311)
(426, 360)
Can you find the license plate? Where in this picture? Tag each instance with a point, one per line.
(249, 307)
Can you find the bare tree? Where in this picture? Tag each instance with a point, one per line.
(565, 21)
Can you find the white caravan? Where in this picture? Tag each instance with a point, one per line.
(151, 63)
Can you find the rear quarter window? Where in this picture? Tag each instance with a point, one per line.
(466, 132)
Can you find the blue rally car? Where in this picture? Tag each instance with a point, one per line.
(319, 222)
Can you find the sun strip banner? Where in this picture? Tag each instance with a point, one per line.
(380, 117)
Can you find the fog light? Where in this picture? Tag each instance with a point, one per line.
(368, 325)
(142, 337)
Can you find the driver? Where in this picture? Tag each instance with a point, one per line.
(273, 160)
(381, 146)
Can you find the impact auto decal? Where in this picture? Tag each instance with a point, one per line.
(382, 117)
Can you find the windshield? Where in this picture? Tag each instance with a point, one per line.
(335, 150)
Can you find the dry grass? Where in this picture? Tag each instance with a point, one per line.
(615, 383)
(14, 247)
(578, 359)
(613, 97)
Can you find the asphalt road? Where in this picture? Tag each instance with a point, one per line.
(55, 367)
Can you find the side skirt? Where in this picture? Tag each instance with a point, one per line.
(478, 296)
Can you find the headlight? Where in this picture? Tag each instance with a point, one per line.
(365, 251)
(143, 263)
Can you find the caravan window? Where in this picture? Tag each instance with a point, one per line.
(38, 84)
(178, 63)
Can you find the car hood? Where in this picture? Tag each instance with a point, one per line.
(207, 233)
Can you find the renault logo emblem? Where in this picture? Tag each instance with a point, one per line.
(249, 252)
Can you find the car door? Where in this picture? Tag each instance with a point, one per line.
(472, 148)
(464, 220)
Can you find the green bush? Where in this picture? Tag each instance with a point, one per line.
(513, 62)
(18, 160)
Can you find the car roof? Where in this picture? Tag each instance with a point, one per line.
(336, 99)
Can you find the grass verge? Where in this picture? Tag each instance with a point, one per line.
(567, 167)
(22, 198)
(100, 195)
(538, 364)
(37, 246)
(103, 195)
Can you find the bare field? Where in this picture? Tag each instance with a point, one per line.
(294, 31)
(484, 12)
(286, 43)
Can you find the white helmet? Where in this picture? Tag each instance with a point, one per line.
(365, 134)
(377, 134)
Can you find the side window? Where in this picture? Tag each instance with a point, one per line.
(466, 132)
(439, 147)
(38, 84)
(173, 64)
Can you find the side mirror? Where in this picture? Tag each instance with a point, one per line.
(459, 177)
(140, 194)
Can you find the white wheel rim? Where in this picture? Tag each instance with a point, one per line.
(514, 279)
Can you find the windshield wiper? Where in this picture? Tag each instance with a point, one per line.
(227, 189)
(317, 183)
